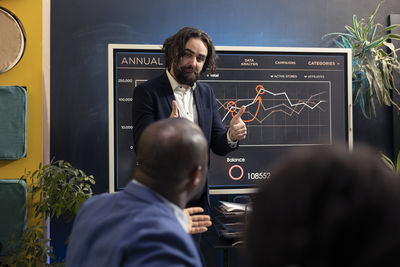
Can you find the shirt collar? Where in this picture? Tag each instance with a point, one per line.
(178, 212)
(174, 83)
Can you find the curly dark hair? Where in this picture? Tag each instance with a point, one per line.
(174, 47)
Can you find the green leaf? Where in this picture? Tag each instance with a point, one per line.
(398, 163)
(373, 109)
(393, 36)
(390, 28)
(386, 76)
(388, 45)
(346, 42)
(391, 165)
(372, 17)
(357, 27)
(366, 101)
(352, 32)
(338, 34)
(372, 32)
(339, 44)
(376, 43)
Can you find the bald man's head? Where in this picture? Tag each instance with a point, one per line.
(170, 149)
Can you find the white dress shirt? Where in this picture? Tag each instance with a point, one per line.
(186, 104)
(185, 99)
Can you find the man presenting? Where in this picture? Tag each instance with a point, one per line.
(144, 225)
(177, 93)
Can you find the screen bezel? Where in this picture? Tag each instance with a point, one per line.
(113, 48)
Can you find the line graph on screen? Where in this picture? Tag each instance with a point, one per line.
(278, 113)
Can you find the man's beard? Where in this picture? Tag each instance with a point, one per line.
(184, 77)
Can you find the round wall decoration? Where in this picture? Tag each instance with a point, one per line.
(12, 41)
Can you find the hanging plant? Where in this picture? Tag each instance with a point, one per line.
(373, 64)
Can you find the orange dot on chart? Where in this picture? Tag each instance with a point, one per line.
(231, 106)
(260, 89)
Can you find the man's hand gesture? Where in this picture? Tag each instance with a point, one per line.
(174, 113)
(197, 223)
(238, 130)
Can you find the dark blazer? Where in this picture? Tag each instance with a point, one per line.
(133, 227)
(152, 101)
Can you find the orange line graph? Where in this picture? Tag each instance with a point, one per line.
(231, 106)
(258, 108)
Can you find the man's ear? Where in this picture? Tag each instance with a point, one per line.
(196, 176)
(195, 182)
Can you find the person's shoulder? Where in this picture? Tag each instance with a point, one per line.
(157, 213)
(158, 223)
(152, 211)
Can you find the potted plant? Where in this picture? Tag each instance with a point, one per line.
(56, 189)
(374, 61)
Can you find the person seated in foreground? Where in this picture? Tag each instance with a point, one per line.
(145, 225)
(326, 207)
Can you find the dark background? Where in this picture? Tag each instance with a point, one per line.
(81, 30)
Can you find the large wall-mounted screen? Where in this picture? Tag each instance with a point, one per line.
(293, 97)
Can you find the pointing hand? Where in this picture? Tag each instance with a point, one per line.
(238, 130)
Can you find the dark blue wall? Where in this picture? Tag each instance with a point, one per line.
(81, 30)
